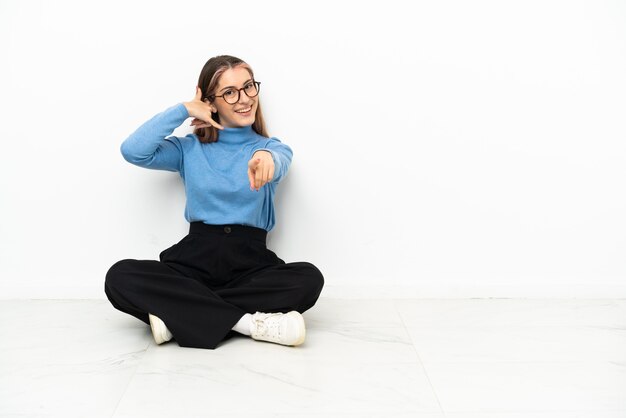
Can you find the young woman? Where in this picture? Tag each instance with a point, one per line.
(220, 278)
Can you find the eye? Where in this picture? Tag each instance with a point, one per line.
(249, 86)
(228, 93)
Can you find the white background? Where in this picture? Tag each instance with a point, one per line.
(441, 149)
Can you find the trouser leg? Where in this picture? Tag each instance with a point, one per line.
(205, 283)
(195, 315)
(277, 288)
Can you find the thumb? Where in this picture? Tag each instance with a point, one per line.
(253, 163)
(198, 93)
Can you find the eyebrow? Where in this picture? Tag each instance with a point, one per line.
(232, 87)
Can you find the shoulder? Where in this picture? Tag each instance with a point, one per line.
(272, 141)
(277, 146)
(184, 142)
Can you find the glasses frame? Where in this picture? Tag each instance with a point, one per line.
(258, 90)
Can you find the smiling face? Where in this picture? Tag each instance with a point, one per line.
(231, 115)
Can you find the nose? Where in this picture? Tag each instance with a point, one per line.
(243, 97)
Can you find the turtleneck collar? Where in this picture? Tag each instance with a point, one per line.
(239, 135)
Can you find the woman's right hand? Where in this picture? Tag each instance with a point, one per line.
(201, 112)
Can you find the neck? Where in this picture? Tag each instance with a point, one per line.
(236, 135)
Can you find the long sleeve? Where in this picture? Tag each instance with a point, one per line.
(148, 146)
(282, 155)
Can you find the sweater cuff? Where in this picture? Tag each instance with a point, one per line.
(182, 110)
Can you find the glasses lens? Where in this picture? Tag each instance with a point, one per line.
(231, 96)
(251, 89)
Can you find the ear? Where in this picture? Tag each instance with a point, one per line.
(213, 108)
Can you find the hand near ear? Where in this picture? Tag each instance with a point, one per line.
(260, 169)
(201, 112)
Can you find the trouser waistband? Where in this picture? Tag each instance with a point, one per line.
(200, 227)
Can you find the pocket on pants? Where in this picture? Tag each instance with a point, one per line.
(173, 253)
(260, 255)
(194, 256)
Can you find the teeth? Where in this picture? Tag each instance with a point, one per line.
(243, 111)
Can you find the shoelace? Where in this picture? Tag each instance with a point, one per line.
(263, 328)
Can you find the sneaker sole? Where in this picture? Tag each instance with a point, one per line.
(157, 330)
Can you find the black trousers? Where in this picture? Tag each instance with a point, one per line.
(207, 281)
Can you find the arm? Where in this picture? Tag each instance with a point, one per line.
(281, 154)
(147, 147)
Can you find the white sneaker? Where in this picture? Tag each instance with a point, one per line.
(159, 331)
(286, 329)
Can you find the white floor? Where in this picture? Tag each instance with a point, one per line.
(494, 358)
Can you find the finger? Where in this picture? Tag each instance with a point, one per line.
(266, 174)
(253, 163)
(271, 174)
(258, 176)
(202, 124)
(198, 93)
(217, 125)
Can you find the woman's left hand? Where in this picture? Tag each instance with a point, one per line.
(260, 169)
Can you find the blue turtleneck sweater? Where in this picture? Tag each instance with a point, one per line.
(215, 174)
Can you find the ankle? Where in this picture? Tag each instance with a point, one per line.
(244, 325)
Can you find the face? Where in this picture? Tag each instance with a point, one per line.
(230, 115)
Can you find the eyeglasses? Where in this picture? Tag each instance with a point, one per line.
(231, 96)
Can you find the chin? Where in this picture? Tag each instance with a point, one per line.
(247, 123)
(239, 122)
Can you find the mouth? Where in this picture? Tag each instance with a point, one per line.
(245, 112)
